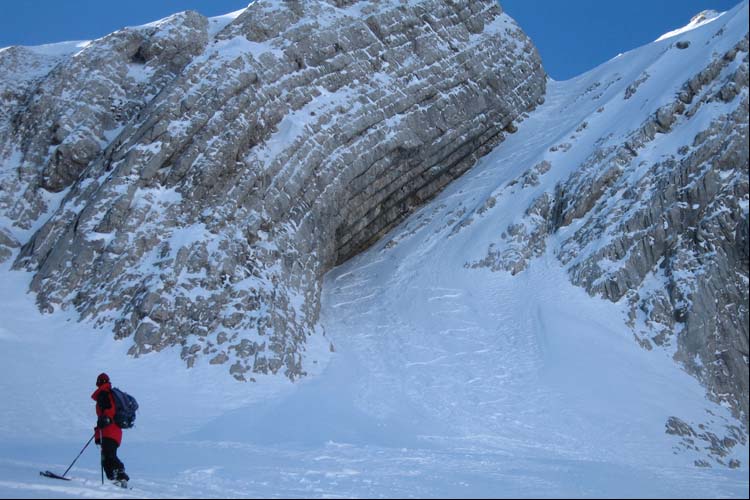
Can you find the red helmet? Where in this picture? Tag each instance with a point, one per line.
(102, 379)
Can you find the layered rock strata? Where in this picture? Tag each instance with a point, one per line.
(200, 183)
(668, 237)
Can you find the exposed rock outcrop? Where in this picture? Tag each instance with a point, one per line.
(703, 440)
(209, 180)
(668, 236)
(65, 110)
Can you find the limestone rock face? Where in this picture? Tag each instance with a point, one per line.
(61, 111)
(188, 185)
(683, 220)
(665, 233)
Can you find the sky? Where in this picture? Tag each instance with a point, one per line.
(572, 36)
(575, 36)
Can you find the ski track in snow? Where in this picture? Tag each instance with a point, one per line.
(445, 381)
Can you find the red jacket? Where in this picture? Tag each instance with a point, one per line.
(105, 406)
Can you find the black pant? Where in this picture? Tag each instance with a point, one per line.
(113, 468)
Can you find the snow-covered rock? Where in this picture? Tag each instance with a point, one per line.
(485, 344)
(190, 182)
(655, 214)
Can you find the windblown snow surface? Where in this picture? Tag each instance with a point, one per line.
(432, 379)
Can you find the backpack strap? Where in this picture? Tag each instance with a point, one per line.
(103, 400)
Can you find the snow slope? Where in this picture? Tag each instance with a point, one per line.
(434, 379)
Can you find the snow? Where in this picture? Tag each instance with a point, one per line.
(444, 381)
(239, 45)
(297, 121)
(140, 73)
(218, 23)
(60, 49)
(701, 19)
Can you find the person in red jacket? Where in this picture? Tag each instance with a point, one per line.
(107, 433)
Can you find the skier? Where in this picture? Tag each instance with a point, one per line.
(107, 433)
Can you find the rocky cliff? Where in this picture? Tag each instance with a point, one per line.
(655, 213)
(188, 182)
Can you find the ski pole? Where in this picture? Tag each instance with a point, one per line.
(101, 455)
(79, 455)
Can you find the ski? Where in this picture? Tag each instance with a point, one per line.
(52, 475)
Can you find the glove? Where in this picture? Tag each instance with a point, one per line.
(97, 436)
(103, 422)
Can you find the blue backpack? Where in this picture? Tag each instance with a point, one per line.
(125, 408)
